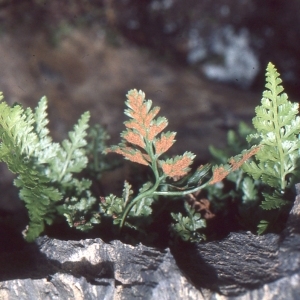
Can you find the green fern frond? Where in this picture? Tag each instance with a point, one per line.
(249, 189)
(273, 201)
(114, 206)
(17, 149)
(79, 211)
(278, 126)
(71, 156)
(47, 150)
(262, 226)
(45, 169)
(188, 228)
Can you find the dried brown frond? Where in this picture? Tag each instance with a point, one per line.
(203, 206)
(164, 143)
(178, 168)
(79, 223)
(218, 175)
(237, 164)
(200, 205)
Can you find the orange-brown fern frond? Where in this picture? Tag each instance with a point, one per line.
(178, 166)
(131, 154)
(134, 138)
(133, 124)
(219, 174)
(164, 143)
(236, 164)
(155, 129)
(135, 100)
(151, 115)
(140, 109)
(142, 130)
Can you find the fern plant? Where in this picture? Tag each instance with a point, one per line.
(45, 169)
(267, 179)
(143, 142)
(277, 162)
(47, 172)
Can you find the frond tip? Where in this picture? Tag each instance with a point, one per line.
(142, 130)
(142, 114)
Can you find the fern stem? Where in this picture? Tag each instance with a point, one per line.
(278, 136)
(190, 215)
(65, 166)
(182, 193)
(149, 149)
(135, 200)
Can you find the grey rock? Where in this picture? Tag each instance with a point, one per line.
(286, 288)
(92, 269)
(246, 266)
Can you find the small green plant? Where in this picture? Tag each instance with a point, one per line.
(144, 143)
(45, 169)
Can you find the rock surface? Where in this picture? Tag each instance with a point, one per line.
(91, 269)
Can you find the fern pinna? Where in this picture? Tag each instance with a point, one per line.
(277, 162)
(144, 143)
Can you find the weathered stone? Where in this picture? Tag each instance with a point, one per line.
(246, 266)
(92, 269)
(235, 264)
(286, 288)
